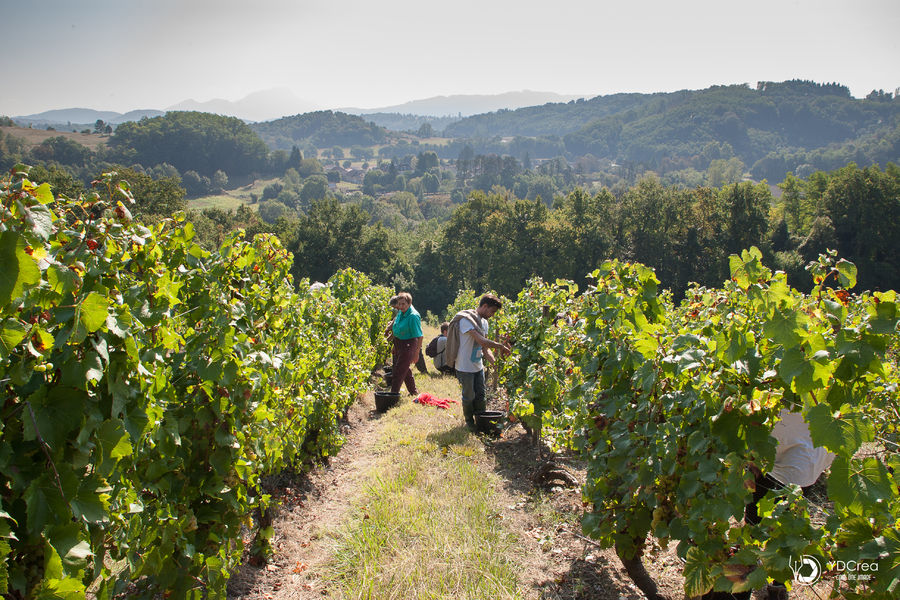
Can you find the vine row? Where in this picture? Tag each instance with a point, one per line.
(149, 384)
(672, 407)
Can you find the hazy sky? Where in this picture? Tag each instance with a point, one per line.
(135, 54)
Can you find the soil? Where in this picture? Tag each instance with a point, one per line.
(556, 563)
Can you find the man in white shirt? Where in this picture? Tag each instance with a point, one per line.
(797, 461)
(467, 348)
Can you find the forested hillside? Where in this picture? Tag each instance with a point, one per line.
(192, 141)
(322, 129)
(776, 128)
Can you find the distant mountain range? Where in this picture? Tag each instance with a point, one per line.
(467, 105)
(83, 116)
(273, 104)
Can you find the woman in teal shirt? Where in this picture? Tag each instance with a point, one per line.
(407, 330)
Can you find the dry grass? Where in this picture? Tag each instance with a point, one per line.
(33, 137)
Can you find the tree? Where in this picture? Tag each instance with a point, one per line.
(62, 150)
(195, 184)
(161, 197)
(219, 180)
(333, 236)
(431, 183)
(295, 158)
(794, 207)
(864, 207)
(272, 210)
(310, 166)
(408, 205)
(722, 172)
(748, 208)
(426, 161)
(425, 131)
(314, 188)
(195, 141)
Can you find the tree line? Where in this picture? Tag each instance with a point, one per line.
(498, 241)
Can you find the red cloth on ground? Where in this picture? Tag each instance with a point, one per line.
(432, 401)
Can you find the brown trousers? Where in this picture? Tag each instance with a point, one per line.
(406, 353)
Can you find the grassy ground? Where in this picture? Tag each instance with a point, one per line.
(231, 199)
(33, 137)
(427, 523)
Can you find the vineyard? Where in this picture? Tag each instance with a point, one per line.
(672, 406)
(149, 385)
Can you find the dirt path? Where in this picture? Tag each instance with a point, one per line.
(312, 504)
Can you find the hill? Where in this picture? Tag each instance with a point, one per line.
(74, 117)
(34, 137)
(322, 129)
(409, 122)
(774, 128)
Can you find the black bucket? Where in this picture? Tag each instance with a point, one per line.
(488, 421)
(385, 400)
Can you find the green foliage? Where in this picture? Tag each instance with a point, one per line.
(673, 406)
(149, 384)
(332, 236)
(775, 128)
(162, 197)
(195, 141)
(536, 375)
(322, 129)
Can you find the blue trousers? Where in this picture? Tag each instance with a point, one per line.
(472, 394)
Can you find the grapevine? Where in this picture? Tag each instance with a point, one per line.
(149, 384)
(672, 408)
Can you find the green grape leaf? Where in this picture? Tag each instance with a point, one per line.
(90, 506)
(61, 279)
(795, 370)
(698, 578)
(114, 439)
(841, 432)
(12, 332)
(783, 329)
(859, 484)
(846, 274)
(56, 413)
(70, 545)
(43, 221)
(93, 311)
(19, 269)
(43, 193)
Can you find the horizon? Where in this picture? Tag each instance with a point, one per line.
(358, 55)
(363, 111)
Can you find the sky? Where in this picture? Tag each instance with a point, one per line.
(122, 55)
